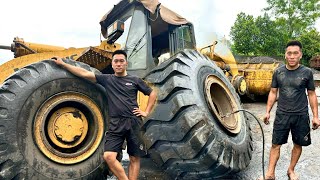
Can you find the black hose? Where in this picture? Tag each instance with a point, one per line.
(244, 110)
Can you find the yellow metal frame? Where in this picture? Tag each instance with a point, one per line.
(25, 57)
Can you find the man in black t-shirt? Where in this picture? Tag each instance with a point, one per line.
(125, 116)
(292, 81)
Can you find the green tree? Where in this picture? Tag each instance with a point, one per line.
(311, 45)
(271, 37)
(299, 15)
(244, 34)
(260, 36)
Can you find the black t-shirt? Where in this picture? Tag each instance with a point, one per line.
(292, 85)
(122, 93)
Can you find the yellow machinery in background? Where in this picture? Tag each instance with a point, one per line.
(52, 123)
(250, 78)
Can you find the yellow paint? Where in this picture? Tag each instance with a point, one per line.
(19, 50)
(217, 96)
(66, 130)
(79, 151)
(142, 100)
(44, 52)
(219, 52)
(258, 77)
(9, 67)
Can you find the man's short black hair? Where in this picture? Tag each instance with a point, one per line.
(294, 43)
(120, 52)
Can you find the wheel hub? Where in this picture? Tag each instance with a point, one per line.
(67, 127)
(240, 84)
(222, 104)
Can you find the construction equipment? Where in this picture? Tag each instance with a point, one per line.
(52, 123)
(251, 78)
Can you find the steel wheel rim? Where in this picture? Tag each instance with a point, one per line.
(222, 104)
(90, 124)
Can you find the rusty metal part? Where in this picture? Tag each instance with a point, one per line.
(61, 128)
(96, 57)
(25, 47)
(221, 103)
(315, 62)
(21, 48)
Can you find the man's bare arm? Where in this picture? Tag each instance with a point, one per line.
(78, 71)
(150, 104)
(314, 108)
(271, 100)
(151, 101)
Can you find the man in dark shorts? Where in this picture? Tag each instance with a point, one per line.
(292, 80)
(125, 116)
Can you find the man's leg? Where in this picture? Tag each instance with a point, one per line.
(281, 129)
(300, 137)
(134, 167)
(134, 148)
(273, 159)
(114, 165)
(295, 155)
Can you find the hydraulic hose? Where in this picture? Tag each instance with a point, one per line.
(246, 111)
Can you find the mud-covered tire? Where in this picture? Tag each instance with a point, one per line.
(21, 97)
(183, 135)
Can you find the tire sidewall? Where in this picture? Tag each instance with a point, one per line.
(29, 100)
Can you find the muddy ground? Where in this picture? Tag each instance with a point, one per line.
(308, 166)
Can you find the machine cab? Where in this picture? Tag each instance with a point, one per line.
(146, 31)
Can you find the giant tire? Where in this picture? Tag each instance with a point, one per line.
(183, 135)
(27, 101)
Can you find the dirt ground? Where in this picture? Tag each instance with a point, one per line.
(308, 166)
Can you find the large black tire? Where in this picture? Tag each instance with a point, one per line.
(22, 96)
(183, 135)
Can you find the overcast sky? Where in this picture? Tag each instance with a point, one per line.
(75, 23)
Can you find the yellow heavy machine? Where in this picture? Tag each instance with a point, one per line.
(251, 78)
(52, 123)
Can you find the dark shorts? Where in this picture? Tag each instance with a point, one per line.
(128, 129)
(299, 126)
